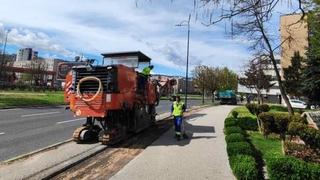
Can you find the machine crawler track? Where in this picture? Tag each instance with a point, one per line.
(77, 132)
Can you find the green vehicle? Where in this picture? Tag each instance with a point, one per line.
(227, 97)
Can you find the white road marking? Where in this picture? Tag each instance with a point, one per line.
(39, 114)
(2, 133)
(72, 120)
(9, 109)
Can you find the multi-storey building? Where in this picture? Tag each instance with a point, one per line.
(26, 54)
(272, 95)
(294, 37)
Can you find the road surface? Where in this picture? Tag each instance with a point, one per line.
(23, 130)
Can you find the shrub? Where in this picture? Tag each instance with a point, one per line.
(230, 119)
(235, 137)
(248, 123)
(230, 122)
(235, 114)
(298, 118)
(295, 128)
(237, 148)
(244, 167)
(309, 135)
(256, 109)
(267, 123)
(291, 168)
(263, 108)
(281, 124)
(253, 108)
(274, 122)
(233, 129)
(302, 151)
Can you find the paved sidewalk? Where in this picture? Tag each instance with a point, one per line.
(202, 156)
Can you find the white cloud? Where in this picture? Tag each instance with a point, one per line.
(38, 40)
(99, 26)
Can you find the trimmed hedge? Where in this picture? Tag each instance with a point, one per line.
(253, 108)
(235, 137)
(233, 129)
(291, 168)
(230, 122)
(309, 135)
(298, 118)
(241, 153)
(248, 123)
(256, 109)
(263, 108)
(237, 148)
(274, 122)
(234, 114)
(244, 167)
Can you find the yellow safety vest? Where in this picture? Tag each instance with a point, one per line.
(146, 71)
(177, 108)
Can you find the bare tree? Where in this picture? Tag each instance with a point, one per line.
(38, 72)
(199, 78)
(251, 18)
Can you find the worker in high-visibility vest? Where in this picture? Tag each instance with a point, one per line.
(145, 73)
(147, 70)
(177, 110)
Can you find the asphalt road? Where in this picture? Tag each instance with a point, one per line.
(23, 130)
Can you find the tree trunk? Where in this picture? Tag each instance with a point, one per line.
(212, 96)
(258, 95)
(202, 95)
(259, 125)
(272, 58)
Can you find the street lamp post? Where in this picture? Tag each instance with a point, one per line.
(5, 46)
(2, 63)
(187, 66)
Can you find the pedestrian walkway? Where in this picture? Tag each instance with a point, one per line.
(202, 156)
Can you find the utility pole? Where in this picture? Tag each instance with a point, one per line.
(187, 65)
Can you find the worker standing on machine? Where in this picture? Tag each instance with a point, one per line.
(144, 78)
(177, 110)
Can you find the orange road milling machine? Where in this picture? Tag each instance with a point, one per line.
(115, 98)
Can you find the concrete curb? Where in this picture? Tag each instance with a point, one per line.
(57, 169)
(25, 156)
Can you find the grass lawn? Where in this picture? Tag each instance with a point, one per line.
(270, 147)
(243, 112)
(29, 98)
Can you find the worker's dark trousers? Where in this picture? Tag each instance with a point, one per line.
(177, 124)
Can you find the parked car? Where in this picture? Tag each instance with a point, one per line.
(296, 103)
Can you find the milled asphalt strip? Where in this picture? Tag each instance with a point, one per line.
(72, 120)
(2, 133)
(39, 114)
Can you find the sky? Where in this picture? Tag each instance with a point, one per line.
(64, 29)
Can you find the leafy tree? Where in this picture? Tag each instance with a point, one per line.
(311, 73)
(293, 76)
(211, 79)
(199, 78)
(254, 77)
(228, 79)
